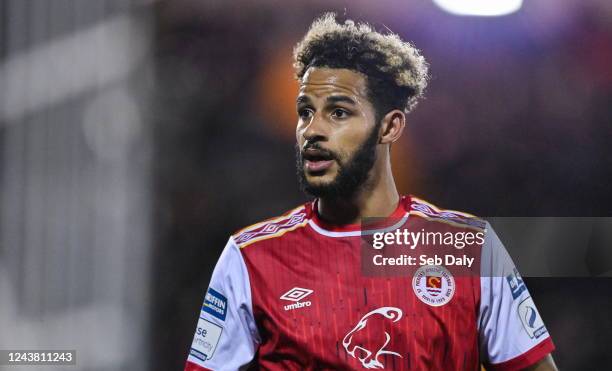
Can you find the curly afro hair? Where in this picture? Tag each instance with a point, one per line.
(396, 72)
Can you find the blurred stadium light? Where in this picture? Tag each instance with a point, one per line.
(97, 55)
(482, 8)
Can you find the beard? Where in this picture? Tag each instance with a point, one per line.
(352, 173)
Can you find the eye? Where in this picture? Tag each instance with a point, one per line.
(340, 113)
(304, 113)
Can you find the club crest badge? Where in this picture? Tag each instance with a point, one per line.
(434, 285)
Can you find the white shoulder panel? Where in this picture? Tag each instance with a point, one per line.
(226, 337)
(509, 323)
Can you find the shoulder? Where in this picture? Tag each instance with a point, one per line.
(273, 228)
(433, 213)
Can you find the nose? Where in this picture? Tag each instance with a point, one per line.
(315, 130)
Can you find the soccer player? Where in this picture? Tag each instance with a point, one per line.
(290, 293)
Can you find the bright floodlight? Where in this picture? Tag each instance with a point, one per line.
(484, 8)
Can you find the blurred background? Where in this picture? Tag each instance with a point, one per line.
(136, 136)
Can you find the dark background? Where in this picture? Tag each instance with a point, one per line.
(516, 122)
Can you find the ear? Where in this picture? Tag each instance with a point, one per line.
(392, 126)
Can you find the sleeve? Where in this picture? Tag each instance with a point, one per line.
(226, 337)
(512, 333)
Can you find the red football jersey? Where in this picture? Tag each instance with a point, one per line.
(291, 293)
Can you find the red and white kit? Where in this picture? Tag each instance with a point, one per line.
(289, 293)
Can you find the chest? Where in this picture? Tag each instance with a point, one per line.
(315, 297)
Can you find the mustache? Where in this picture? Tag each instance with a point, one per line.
(323, 152)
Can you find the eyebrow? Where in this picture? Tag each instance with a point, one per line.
(340, 99)
(303, 99)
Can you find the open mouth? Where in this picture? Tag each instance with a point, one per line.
(317, 160)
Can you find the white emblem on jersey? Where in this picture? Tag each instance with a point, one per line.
(205, 340)
(532, 322)
(433, 285)
(369, 358)
(296, 294)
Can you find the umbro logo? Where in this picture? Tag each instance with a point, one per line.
(295, 295)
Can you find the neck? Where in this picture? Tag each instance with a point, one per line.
(377, 198)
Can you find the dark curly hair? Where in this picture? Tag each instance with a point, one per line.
(396, 72)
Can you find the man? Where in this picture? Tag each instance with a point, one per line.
(291, 293)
